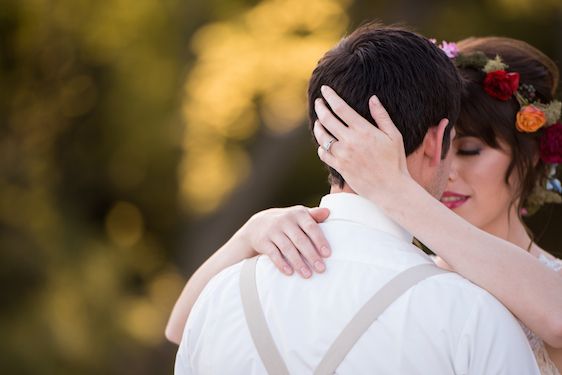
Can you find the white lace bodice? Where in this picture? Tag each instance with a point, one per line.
(537, 345)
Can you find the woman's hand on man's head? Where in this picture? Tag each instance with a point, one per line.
(367, 156)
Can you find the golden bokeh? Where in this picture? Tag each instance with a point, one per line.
(124, 224)
(114, 111)
(251, 72)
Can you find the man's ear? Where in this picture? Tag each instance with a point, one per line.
(433, 142)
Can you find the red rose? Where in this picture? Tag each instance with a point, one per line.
(551, 144)
(501, 84)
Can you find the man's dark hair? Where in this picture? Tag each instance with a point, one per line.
(414, 80)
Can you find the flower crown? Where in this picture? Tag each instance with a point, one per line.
(532, 116)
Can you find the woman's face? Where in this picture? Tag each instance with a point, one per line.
(476, 189)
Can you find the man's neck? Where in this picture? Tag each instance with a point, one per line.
(351, 207)
(345, 189)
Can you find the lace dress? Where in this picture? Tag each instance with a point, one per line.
(543, 360)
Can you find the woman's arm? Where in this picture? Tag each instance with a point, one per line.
(230, 253)
(275, 233)
(372, 161)
(531, 291)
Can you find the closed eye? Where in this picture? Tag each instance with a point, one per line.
(468, 152)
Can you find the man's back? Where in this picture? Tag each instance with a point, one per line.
(443, 325)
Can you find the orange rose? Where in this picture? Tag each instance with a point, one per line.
(530, 119)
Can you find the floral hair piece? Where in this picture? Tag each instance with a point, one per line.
(532, 116)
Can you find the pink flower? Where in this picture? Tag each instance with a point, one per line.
(450, 49)
(551, 144)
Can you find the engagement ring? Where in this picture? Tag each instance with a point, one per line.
(326, 146)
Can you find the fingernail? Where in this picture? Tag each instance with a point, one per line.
(317, 101)
(375, 99)
(305, 272)
(323, 88)
(325, 251)
(288, 270)
(319, 266)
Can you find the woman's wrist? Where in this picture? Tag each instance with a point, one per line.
(390, 195)
(242, 241)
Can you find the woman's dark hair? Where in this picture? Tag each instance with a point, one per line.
(493, 120)
(415, 81)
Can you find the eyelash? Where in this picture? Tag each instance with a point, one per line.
(469, 152)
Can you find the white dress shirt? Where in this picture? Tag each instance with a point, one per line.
(443, 325)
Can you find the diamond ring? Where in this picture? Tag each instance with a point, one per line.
(326, 146)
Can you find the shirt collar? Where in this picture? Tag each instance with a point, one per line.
(352, 207)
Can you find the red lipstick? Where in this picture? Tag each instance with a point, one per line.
(453, 200)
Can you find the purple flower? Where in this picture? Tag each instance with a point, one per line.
(450, 49)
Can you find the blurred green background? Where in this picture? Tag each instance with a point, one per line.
(136, 136)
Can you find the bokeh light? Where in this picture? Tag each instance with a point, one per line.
(136, 136)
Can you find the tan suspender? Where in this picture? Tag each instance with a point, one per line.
(376, 305)
(255, 318)
(370, 312)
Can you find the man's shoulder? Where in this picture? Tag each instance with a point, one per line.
(450, 290)
(222, 288)
(488, 338)
(451, 284)
(223, 280)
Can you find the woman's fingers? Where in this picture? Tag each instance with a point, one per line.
(291, 238)
(322, 136)
(277, 258)
(305, 247)
(309, 225)
(359, 128)
(348, 115)
(383, 120)
(290, 252)
(328, 120)
(396, 146)
(328, 158)
(319, 214)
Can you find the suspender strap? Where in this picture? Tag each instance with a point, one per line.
(257, 324)
(376, 305)
(370, 312)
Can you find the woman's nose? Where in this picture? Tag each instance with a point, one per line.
(453, 174)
